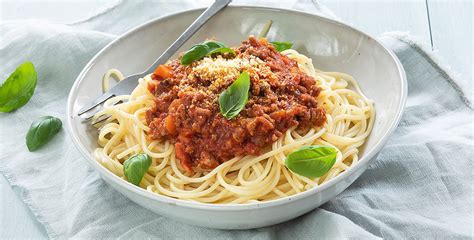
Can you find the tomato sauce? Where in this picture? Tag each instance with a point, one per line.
(186, 110)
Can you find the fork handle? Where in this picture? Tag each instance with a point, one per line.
(196, 25)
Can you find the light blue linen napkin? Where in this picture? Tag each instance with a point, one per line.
(419, 187)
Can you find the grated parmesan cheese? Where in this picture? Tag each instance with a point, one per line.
(222, 72)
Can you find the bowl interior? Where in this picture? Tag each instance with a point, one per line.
(332, 46)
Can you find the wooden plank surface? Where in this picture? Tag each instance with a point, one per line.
(451, 26)
(379, 16)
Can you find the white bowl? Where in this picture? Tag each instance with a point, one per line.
(332, 45)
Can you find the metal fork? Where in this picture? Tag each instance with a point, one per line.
(129, 83)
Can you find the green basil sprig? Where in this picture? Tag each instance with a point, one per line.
(42, 131)
(311, 161)
(222, 50)
(234, 98)
(135, 167)
(282, 46)
(203, 49)
(17, 90)
(265, 29)
(213, 44)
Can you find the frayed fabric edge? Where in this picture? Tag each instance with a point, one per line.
(26, 198)
(434, 59)
(98, 14)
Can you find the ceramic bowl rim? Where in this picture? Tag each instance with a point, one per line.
(364, 160)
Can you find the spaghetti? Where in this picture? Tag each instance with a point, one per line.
(243, 179)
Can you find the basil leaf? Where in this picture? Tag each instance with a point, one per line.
(311, 161)
(213, 45)
(17, 90)
(222, 50)
(234, 98)
(218, 47)
(201, 50)
(41, 131)
(282, 46)
(195, 53)
(135, 167)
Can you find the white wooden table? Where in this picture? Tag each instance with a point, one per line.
(446, 25)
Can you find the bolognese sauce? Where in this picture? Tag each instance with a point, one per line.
(186, 110)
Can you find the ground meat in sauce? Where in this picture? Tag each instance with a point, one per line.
(186, 109)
